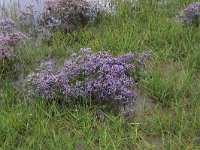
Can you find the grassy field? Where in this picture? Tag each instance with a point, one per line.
(171, 83)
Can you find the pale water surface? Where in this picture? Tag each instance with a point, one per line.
(22, 4)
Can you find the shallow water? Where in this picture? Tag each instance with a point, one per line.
(22, 4)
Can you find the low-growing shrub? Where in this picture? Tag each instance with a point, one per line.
(190, 14)
(68, 15)
(98, 76)
(9, 38)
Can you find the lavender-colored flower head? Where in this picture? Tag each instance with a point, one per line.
(190, 14)
(88, 74)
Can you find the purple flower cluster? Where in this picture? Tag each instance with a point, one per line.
(67, 15)
(16, 37)
(190, 14)
(7, 26)
(9, 38)
(88, 74)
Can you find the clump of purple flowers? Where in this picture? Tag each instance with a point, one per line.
(190, 14)
(9, 37)
(68, 15)
(87, 74)
(7, 26)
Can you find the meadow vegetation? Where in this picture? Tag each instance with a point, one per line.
(170, 81)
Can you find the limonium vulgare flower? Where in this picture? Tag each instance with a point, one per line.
(9, 38)
(68, 14)
(87, 74)
(190, 14)
(7, 26)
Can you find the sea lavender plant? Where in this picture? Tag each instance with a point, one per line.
(87, 74)
(7, 26)
(68, 14)
(190, 14)
(9, 37)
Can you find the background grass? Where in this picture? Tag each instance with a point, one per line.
(171, 82)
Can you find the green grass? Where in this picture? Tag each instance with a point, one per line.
(171, 81)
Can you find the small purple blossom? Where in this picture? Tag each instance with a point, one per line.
(190, 14)
(87, 73)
